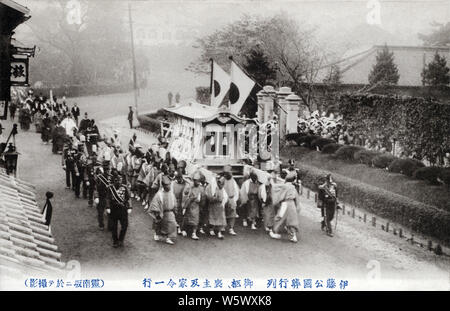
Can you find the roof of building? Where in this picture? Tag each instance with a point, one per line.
(408, 58)
(26, 243)
(205, 113)
(193, 110)
(16, 6)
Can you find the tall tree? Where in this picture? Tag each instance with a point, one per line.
(258, 66)
(334, 75)
(290, 48)
(385, 70)
(92, 50)
(436, 73)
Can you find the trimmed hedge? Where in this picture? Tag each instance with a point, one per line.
(307, 140)
(420, 125)
(417, 216)
(302, 139)
(321, 142)
(159, 114)
(331, 148)
(148, 123)
(293, 136)
(405, 166)
(347, 152)
(445, 176)
(430, 174)
(383, 160)
(366, 156)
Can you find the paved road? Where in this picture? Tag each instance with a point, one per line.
(250, 254)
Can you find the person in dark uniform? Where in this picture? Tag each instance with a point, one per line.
(327, 202)
(58, 136)
(69, 155)
(84, 124)
(130, 117)
(80, 170)
(46, 128)
(118, 205)
(102, 183)
(48, 208)
(89, 177)
(92, 136)
(75, 113)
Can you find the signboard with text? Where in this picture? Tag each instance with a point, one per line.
(19, 71)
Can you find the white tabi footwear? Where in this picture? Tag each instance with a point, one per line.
(138, 198)
(275, 235)
(201, 231)
(156, 237)
(169, 241)
(194, 236)
(183, 233)
(220, 235)
(212, 233)
(144, 203)
(294, 238)
(254, 227)
(244, 223)
(232, 232)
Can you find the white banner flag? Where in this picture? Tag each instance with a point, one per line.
(240, 88)
(221, 84)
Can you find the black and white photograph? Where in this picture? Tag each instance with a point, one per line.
(224, 146)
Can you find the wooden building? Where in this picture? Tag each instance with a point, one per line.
(12, 15)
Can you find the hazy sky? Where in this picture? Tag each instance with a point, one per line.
(334, 18)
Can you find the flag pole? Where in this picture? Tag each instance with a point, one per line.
(134, 60)
(211, 83)
(256, 82)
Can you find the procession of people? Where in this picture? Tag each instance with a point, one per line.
(178, 203)
(113, 177)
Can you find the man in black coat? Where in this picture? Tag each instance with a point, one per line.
(130, 117)
(75, 112)
(69, 155)
(118, 205)
(327, 201)
(84, 124)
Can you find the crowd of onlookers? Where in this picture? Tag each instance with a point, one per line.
(51, 117)
(332, 127)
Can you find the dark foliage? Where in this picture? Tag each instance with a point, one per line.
(347, 152)
(331, 148)
(321, 142)
(405, 166)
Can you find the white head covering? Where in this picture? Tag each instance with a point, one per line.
(107, 156)
(162, 153)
